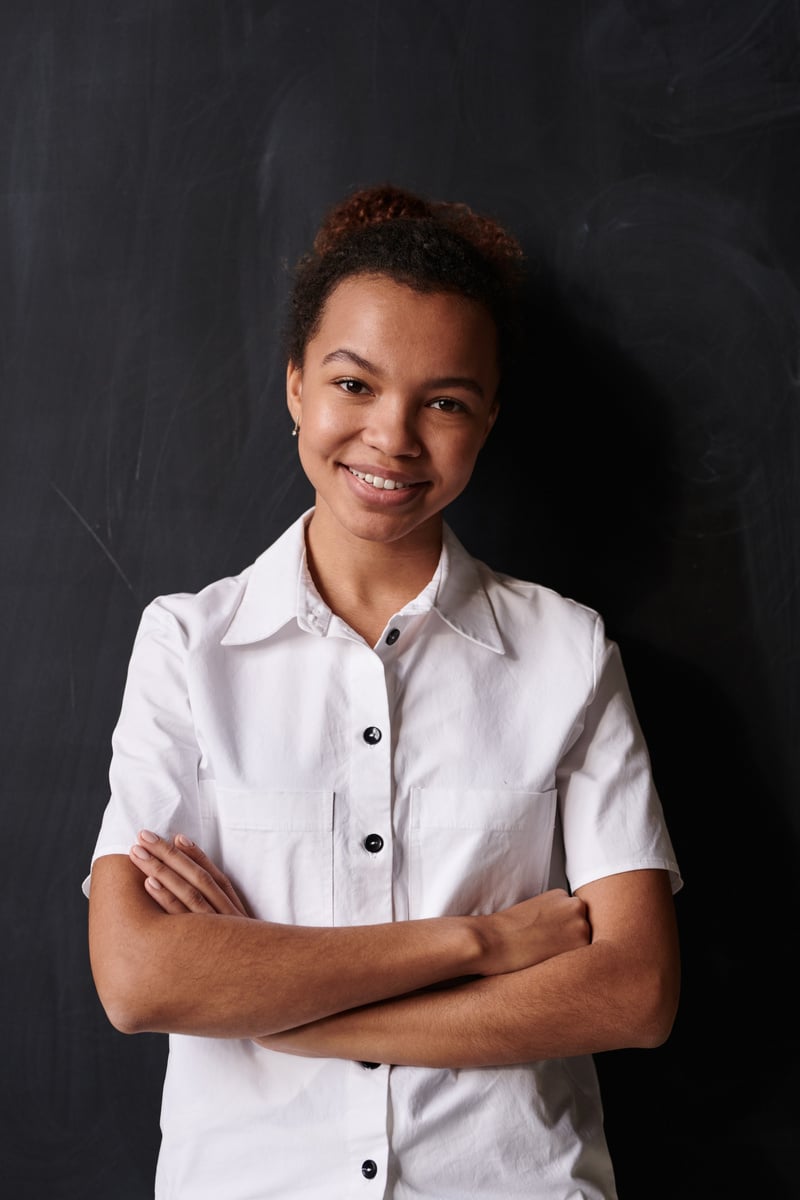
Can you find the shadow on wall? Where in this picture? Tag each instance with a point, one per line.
(714, 1110)
(574, 487)
(581, 487)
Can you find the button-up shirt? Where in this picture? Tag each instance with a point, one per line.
(483, 750)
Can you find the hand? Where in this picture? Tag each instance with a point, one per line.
(528, 933)
(181, 878)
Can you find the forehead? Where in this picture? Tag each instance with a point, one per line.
(393, 317)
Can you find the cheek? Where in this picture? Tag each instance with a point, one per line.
(323, 433)
(455, 471)
(467, 452)
(327, 422)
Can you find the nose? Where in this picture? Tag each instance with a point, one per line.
(392, 428)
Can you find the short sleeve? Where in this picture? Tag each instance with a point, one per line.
(155, 754)
(611, 815)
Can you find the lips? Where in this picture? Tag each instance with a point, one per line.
(380, 483)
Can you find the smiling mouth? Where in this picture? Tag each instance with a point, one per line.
(381, 484)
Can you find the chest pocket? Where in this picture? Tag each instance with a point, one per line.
(277, 848)
(476, 851)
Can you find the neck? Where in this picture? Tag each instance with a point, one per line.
(365, 582)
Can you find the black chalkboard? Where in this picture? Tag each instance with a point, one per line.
(162, 166)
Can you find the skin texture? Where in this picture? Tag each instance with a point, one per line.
(180, 955)
(400, 385)
(544, 980)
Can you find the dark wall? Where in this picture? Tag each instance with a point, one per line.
(162, 163)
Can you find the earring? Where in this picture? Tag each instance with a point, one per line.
(296, 427)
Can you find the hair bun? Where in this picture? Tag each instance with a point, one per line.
(427, 244)
(369, 206)
(385, 202)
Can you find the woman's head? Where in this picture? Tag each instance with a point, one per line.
(400, 326)
(430, 246)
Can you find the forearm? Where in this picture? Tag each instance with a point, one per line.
(230, 976)
(573, 1004)
(620, 991)
(177, 953)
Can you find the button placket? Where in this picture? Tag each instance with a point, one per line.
(363, 852)
(365, 893)
(367, 1088)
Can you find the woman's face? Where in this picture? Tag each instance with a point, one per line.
(395, 398)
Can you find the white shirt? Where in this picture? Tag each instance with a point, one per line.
(489, 740)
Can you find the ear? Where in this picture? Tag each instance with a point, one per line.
(294, 389)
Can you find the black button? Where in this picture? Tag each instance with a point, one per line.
(373, 842)
(370, 1066)
(392, 636)
(372, 735)
(369, 1169)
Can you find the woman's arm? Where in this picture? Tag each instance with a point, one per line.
(184, 958)
(619, 991)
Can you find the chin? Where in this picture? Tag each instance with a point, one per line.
(385, 528)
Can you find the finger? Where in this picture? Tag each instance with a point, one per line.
(170, 890)
(190, 896)
(179, 874)
(192, 850)
(164, 898)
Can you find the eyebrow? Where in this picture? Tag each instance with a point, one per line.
(446, 381)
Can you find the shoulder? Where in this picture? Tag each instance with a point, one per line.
(540, 631)
(247, 606)
(522, 606)
(195, 618)
(549, 636)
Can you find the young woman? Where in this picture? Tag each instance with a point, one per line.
(383, 853)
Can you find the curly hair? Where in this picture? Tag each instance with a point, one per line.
(429, 245)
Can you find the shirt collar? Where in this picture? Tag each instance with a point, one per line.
(461, 598)
(279, 589)
(274, 583)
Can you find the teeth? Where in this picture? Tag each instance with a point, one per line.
(377, 481)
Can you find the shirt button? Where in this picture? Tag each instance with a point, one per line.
(372, 735)
(373, 842)
(369, 1169)
(392, 636)
(370, 1066)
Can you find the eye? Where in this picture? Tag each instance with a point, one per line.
(448, 405)
(353, 387)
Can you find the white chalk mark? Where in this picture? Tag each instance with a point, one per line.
(99, 541)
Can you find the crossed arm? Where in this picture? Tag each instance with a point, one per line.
(174, 949)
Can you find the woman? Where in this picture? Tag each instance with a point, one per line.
(435, 875)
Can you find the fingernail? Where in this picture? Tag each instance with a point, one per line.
(182, 840)
(140, 852)
(152, 883)
(147, 836)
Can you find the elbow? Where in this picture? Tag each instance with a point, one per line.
(126, 1011)
(654, 1033)
(125, 1018)
(125, 997)
(128, 955)
(656, 1010)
